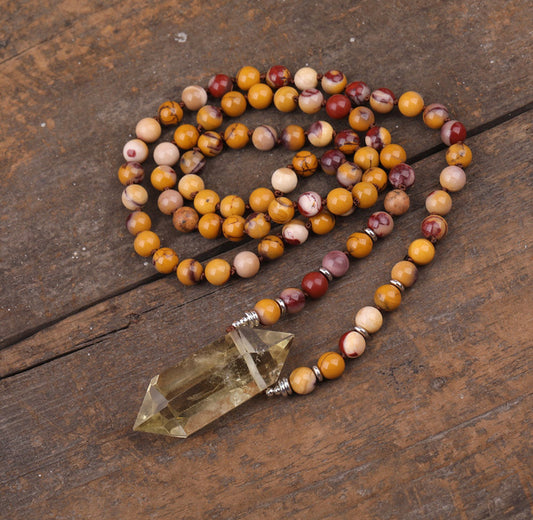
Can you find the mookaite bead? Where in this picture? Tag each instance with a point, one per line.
(381, 223)
(309, 204)
(217, 271)
(169, 201)
(206, 201)
(352, 344)
(210, 143)
(314, 284)
(185, 219)
(336, 262)
(305, 163)
(402, 176)
(459, 155)
(219, 84)
(186, 136)
(310, 101)
(246, 264)
(435, 115)
(138, 221)
(322, 223)
(146, 243)
(260, 96)
(421, 251)
(257, 225)
(192, 161)
(359, 245)
(340, 201)
(452, 132)
(232, 205)
(377, 176)
(293, 298)
(411, 103)
(405, 272)
(210, 226)
(338, 106)
(189, 271)
(333, 82)
(281, 210)
(366, 157)
(396, 202)
(148, 129)
(348, 174)
(295, 232)
(382, 100)
(170, 113)
(331, 365)
(286, 99)
(439, 202)
(264, 138)
(194, 97)
(134, 197)
(377, 137)
(392, 155)
(284, 180)
(260, 199)
(268, 311)
(163, 177)
(452, 178)
(358, 92)
(189, 185)
(236, 136)
(388, 297)
(247, 77)
(331, 160)
(302, 380)
(365, 194)
(135, 150)
(434, 227)
(233, 228)
(271, 247)
(130, 173)
(165, 260)
(361, 119)
(369, 318)
(347, 141)
(166, 153)
(293, 137)
(320, 134)
(306, 78)
(233, 104)
(278, 76)
(209, 117)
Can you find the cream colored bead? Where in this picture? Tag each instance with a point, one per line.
(369, 318)
(135, 150)
(320, 133)
(134, 197)
(302, 380)
(189, 185)
(439, 202)
(194, 97)
(148, 129)
(295, 232)
(246, 264)
(166, 154)
(352, 344)
(284, 180)
(306, 77)
(452, 178)
(310, 101)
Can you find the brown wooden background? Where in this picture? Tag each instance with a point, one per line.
(432, 423)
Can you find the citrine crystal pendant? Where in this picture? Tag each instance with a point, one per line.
(212, 381)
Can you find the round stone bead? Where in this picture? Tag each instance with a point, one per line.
(305, 163)
(163, 177)
(281, 210)
(271, 247)
(314, 284)
(306, 78)
(310, 101)
(217, 271)
(286, 99)
(294, 299)
(206, 201)
(349, 174)
(459, 154)
(131, 173)
(421, 251)
(347, 141)
(134, 197)
(295, 232)
(210, 226)
(405, 272)
(378, 137)
(233, 228)
(148, 129)
(359, 245)
(358, 92)
(260, 96)
(185, 219)
(232, 205)
(192, 161)
(331, 365)
(247, 77)
(302, 380)
(322, 223)
(264, 137)
(293, 137)
(186, 136)
(452, 132)
(219, 84)
(396, 202)
(338, 106)
(387, 297)
(166, 154)
(138, 221)
(377, 176)
(260, 199)
(352, 344)
(236, 136)
(382, 100)
(381, 223)
(402, 176)
(365, 194)
(434, 227)
(333, 82)
(309, 204)
(194, 97)
(452, 178)
(284, 180)
(435, 115)
(146, 243)
(340, 201)
(439, 202)
(336, 262)
(411, 103)
(165, 260)
(257, 225)
(189, 271)
(246, 264)
(392, 155)
(331, 160)
(320, 134)
(135, 150)
(233, 104)
(209, 117)
(369, 318)
(268, 311)
(278, 76)
(366, 157)
(361, 119)
(169, 201)
(210, 143)
(189, 185)
(170, 113)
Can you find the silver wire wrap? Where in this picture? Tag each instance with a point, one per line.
(282, 387)
(250, 319)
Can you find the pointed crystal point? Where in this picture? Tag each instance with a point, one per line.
(213, 381)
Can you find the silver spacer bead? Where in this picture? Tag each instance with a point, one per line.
(397, 284)
(371, 234)
(250, 319)
(326, 273)
(282, 306)
(318, 374)
(282, 387)
(362, 331)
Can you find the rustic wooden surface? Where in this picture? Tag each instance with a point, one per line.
(433, 422)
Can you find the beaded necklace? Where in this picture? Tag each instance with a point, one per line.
(248, 360)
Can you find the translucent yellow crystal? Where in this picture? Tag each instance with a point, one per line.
(213, 381)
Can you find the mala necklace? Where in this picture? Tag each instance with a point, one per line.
(248, 359)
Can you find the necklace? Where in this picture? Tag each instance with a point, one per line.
(248, 360)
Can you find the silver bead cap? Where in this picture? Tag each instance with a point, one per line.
(282, 306)
(371, 234)
(282, 387)
(397, 284)
(326, 273)
(362, 331)
(250, 319)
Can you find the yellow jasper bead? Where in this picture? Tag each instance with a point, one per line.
(391, 155)
(281, 210)
(286, 99)
(387, 297)
(322, 223)
(189, 271)
(302, 380)
(236, 136)
(233, 104)
(247, 77)
(260, 199)
(361, 119)
(209, 117)
(339, 201)
(331, 365)
(405, 272)
(165, 260)
(459, 154)
(365, 194)
(146, 243)
(260, 96)
(232, 205)
(163, 177)
(421, 251)
(206, 201)
(233, 228)
(217, 271)
(271, 247)
(186, 136)
(366, 157)
(376, 176)
(359, 245)
(411, 103)
(210, 226)
(268, 311)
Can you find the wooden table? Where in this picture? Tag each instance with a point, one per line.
(432, 422)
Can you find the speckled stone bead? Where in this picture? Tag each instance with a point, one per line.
(306, 78)
(268, 311)
(185, 219)
(358, 92)
(322, 223)
(402, 176)
(340, 201)
(376, 176)
(233, 228)
(257, 225)
(320, 134)
(163, 177)
(435, 115)
(166, 154)
(366, 157)
(361, 119)
(219, 84)
(131, 173)
(459, 154)
(302, 380)
(189, 271)
(452, 132)
(135, 150)
(309, 204)
(233, 104)
(439, 202)
(232, 205)
(387, 297)
(260, 96)
(138, 221)
(434, 227)
(169, 201)
(134, 197)
(246, 264)
(352, 344)
(314, 284)
(192, 161)
(336, 262)
(210, 144)
(260, 199)
(333, 82)
(381, 223)
(278, 76)
(264, 137)
(331, 160)
(146, 243)
(421, 251)
(286, 99)
(359, 245)
(284, 180)
(236, 136)
(271, 247)
(189, 185)
(348, 174)
(452, 178)
(165, 260)
(194, 97)
(378, 137)
(369, 318)
(392, 155)
(331, 365)
(294, 299)
(410, 103)
(338, 106)
(293, 137)
(382, 100)
(295, 232)
(247, 77)
(347, 141)
(310, 101)
(217, 271)
(186, 136)
(170, 113)
(206, 201)
(281, 210)
(210, 226)
(209, 117)
(148, 129)
(396, 202)
(405, 272)
(305, 163)
(365, 194)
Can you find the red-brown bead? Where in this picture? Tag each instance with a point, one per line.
(315, 284)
